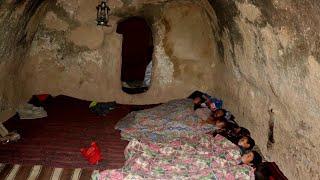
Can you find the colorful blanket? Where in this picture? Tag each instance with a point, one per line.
(192, 157)
(165, 122)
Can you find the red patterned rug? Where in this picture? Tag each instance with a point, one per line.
(56, 140)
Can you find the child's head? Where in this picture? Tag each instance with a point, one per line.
(252, 158)
(241, 131)
(220, 123)
(218, 113)
(223, 113)
(197, 100)
(246, 142)
(212, 107)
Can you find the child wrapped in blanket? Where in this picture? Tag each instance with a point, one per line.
(225, 115)
(187, 158)
(226, 126)
(201, 99)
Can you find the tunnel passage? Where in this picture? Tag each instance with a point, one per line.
(137, 48)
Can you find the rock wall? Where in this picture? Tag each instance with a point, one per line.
(260, 56)
(271, 77)
(18, 23)
(71, 55)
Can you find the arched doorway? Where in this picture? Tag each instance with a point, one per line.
(137, 49)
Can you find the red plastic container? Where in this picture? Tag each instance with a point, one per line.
(92, 154)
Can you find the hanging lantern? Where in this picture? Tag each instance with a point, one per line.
(103, 13)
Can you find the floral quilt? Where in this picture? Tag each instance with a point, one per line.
(165, 122)
(190, 157)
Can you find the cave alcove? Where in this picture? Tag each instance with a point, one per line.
(137, 49)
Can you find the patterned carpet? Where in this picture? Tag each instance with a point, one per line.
(37, 172)
(55, 141)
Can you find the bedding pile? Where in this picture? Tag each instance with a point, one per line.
(170, 142)
(165, 122)
(190, 157)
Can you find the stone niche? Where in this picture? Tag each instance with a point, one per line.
(73, 56)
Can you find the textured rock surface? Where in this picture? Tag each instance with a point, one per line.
(84, 60)
(271, 62)
(87, 36)
(18, 23)
(261, 56)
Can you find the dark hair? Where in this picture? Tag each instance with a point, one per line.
(232, 125)
(250, 141)
(222, 110)
(262, 172)
(257, 159)
(196, 106)
(244, 132)
(196, 94)
(221, 119)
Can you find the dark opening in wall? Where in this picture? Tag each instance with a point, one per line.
(137, 49)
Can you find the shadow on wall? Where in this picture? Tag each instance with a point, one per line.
(137, 49)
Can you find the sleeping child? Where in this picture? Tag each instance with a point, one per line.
(201, 99)
(245, 143)
(234, 133)
(220, 123)
(252, 158)
(190, 157)
(226, 115)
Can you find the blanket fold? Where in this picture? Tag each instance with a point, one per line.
(165, 122)
(192, 157)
